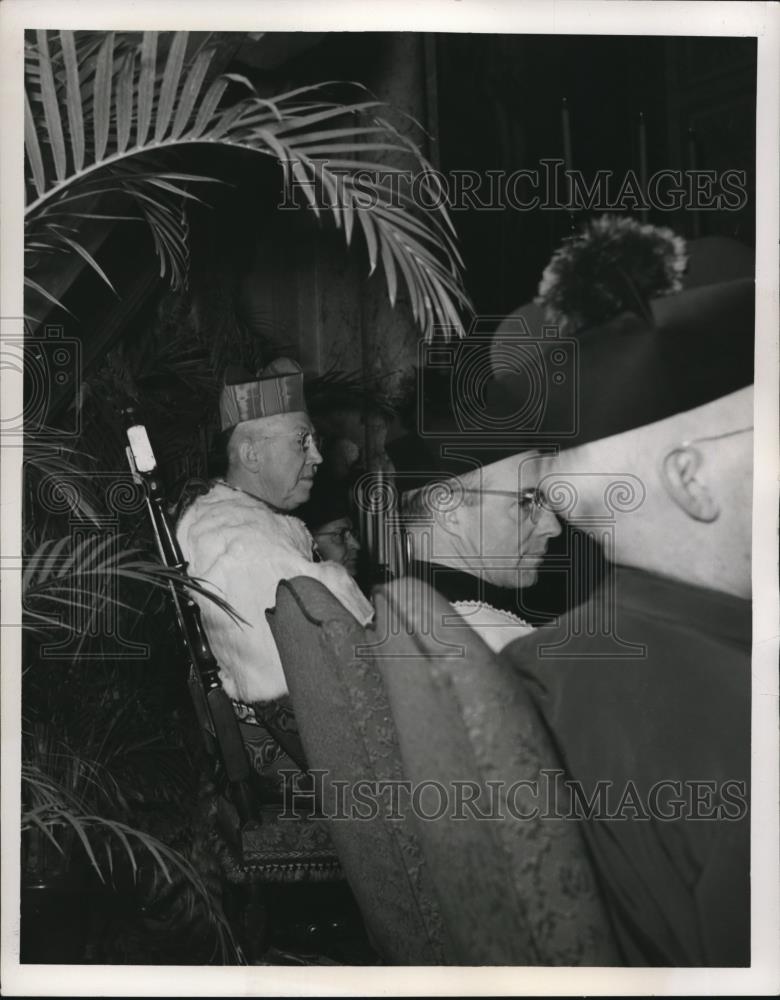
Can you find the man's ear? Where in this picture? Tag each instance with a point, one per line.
(450, 521)
(683, 481)
(248, 453)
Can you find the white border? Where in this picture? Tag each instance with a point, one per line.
(524, 17)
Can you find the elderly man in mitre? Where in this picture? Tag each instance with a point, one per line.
(241, 538)
(646, 687)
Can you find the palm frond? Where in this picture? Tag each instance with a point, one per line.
(96, 111)
(57, 811)
(64, 580)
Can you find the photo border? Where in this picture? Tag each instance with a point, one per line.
(573, 17)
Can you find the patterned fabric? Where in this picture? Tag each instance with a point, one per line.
(278, 719)
(281, 850)
(348, 729)
(372, 717)
(270, 735)
(516, 884)
(280, 392)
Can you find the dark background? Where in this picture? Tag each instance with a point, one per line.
(488, 102)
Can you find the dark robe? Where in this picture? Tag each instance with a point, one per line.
(456, 585)
(650, 682)
(572, 558)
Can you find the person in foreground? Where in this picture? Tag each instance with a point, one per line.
(646, 686)
(241, 537)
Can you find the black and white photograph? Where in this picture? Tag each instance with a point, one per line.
(389, 441)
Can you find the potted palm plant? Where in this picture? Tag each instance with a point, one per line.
(108, 119)
(104, 113)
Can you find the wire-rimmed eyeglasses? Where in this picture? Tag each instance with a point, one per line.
(341, 533)
(306, 440)
(531, 501)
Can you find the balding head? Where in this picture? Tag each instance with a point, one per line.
(684, 508)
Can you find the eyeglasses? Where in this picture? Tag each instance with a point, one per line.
(341, 533)
(531, 501)
(305, 439)
(716, 437)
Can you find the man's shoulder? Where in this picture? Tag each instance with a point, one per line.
(218, 507)
(233, 516)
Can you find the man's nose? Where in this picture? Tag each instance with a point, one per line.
(313, 457)
(548, 524)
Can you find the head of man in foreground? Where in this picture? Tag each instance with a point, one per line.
(676, 494)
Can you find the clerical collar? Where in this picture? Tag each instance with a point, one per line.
(459, 585)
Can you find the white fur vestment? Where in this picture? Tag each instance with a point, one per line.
(241, 549)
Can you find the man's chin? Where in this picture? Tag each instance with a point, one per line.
(527, 578)
(518, 578)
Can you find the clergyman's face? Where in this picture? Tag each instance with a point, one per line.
(510, 533)
(287, 465)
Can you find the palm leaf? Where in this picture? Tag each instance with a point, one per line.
(47, 295)
(209, 106)
(192, 87)
(102, 96)
(33, 148)
(146, 83)
(94, 831)
(87, 256)
(59, 574)
(389, 266)
(73, 99)
(327, 149)
(124, 102)
(170, 84)
(51, 107)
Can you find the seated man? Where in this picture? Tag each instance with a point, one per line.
(646, 688)
(241, 538)
(480, 537)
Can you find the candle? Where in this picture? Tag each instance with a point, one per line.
(643, 161)
(566, 127)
